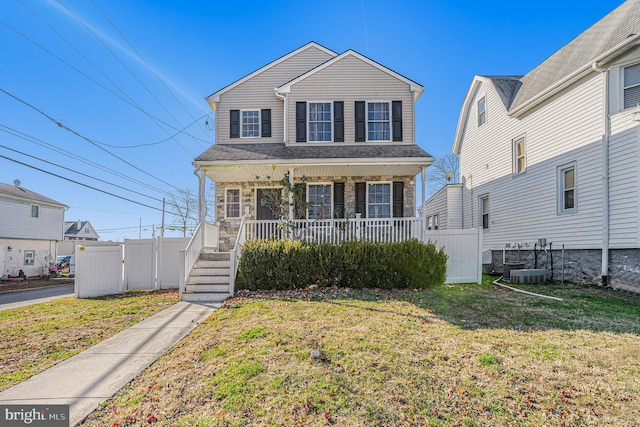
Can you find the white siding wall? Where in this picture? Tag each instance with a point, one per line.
(16, 221)
(258, 92)
(350, 80)
(13, 260)
(454, 207)
(437, 205)
(564, 129)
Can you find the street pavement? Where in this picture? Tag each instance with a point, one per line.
(34, 296)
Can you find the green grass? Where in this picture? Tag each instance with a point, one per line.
(458, 355)
(38, 336)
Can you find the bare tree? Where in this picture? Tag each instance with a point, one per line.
(444, 170)
(183, 206)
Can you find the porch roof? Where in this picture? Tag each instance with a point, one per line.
(245, 162)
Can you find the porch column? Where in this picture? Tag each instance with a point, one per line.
(423, 177)
(202, 206)
(291, 217)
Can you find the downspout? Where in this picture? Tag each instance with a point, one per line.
(605, 173)
(286, 103)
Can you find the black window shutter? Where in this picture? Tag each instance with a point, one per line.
(361, 199)
(299, 204)
(360, 121)
(398, 199)
(338, 199)
(301, 122)
(234, 124)
(338, 121)
(396, 115)
(265, 118)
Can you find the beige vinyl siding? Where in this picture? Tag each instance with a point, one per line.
(351, 79)
(624, 183)
(258, 93)
(524, 207)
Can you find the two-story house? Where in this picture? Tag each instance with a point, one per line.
(79, 230)
(341, 124)
(31, 225)
(342, 121)
(555, 155)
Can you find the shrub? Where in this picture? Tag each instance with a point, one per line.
(271, 264)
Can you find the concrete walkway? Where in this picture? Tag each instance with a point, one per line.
(96, 374)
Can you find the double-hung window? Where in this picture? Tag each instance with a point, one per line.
(320, 122)
(631, 86)
(482, 111)
(250, 122)
(567, 188)
(379, 200)
(35, 211)
(435, 222)
(232, 203)
(519, 155)
(484, 211)
(319, 199)
(378, 121)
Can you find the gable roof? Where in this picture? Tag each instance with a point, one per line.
(416, 88)
(607, 38)
(15, 192)
(215, 97)
(71, 227)
(506, 87)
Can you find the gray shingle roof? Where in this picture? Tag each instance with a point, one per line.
(506, 86)
(604, 35)
(73, 227)
(270, 152)
(23, 193)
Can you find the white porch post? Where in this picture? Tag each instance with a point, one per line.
(423, 177)
(202, 206)
(291, 217)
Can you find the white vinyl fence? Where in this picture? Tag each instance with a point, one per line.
(141, 264)
(464, 253)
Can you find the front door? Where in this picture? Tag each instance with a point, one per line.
(265, 211)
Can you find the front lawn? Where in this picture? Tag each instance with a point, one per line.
(457, 355)
(38, 336)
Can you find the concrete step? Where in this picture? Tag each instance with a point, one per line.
(207, 279)
(198, 288)
(205, 297)
(214, 256)
(213, 264)
(197, 271)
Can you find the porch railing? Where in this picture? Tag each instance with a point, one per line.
(190, 255)
(384, 230)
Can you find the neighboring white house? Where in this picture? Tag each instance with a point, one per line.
(555, 155)
(30, 227)
(79, 230)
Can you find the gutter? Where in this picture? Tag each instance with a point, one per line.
(605, 172)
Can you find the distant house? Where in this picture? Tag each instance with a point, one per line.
(79, 230)
(30, 227)
(555, 155)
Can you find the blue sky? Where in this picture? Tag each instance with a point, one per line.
(110, 74)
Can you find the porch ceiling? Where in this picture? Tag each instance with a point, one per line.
(260, 172)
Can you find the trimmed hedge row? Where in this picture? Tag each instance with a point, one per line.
(271, 264)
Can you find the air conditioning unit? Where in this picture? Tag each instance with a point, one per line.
(527, 276)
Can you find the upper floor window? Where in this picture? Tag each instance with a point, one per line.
(567, 188)
(379, 200)
(482, 111)
(35, 211)
(632, 85)
(320, 121)
(232, 205)
(484, 211)
(378, 121)
(250, 123)
(319, 198)
(435, 222)
(519, 155)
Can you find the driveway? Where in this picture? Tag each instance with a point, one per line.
(34, 296)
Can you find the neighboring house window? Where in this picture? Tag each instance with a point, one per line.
(378, 121)
(484, 211)
(232, 203)
(482, 111)
(435, 222)
(320, 121)
(519, 155)
(250, 123)
(567, 188)
(379, 200)
(319, 199)
(631, 86)
(429, 223)
(35, 211)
